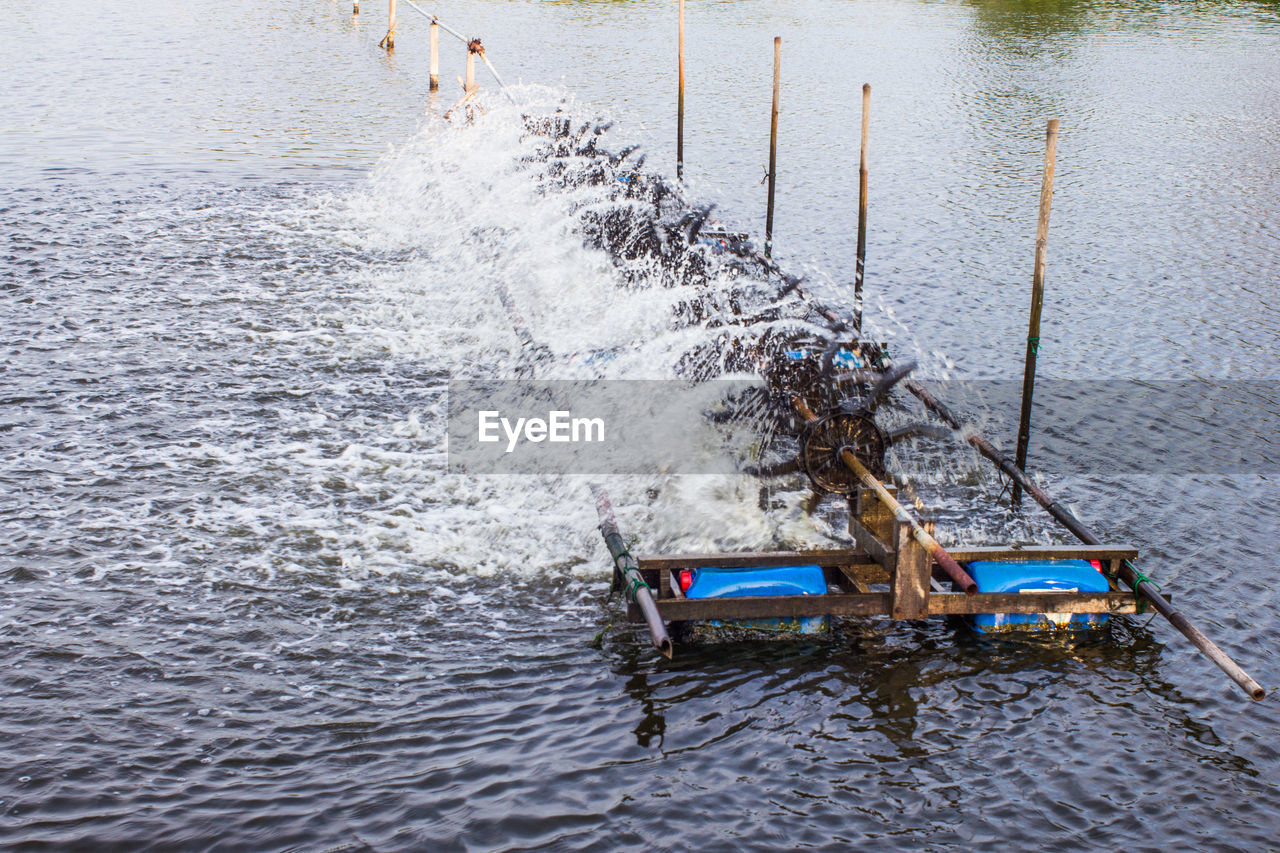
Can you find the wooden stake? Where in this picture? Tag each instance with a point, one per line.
(910, 585)
(773, 145)
(1037, 300)
(389, 40)
(470, 85)
(861, 263)
(435, 56)
(355, 7)
(680, 101)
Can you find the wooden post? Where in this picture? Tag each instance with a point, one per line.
(910, 575)
(874, 514)
(773, 145)
(470, 85)
(355, 7)
(435, 56)
(389, 40)
(861, 263)
(680, 100)
(1037, 300)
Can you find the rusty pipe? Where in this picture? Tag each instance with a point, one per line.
(948, 564)
(944, 560)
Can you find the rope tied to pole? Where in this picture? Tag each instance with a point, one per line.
(469, 42)
(1139, 578)
(1033, 341)
(637, 590)
(632, 582)
(634, 585)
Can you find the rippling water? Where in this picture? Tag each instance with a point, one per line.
(244, 605)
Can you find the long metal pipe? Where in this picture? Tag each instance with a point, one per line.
(1140, 585)
(636, 589)
(948, 564)
(953, 569)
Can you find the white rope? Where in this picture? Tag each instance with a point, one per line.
(460, 37)
(448, 29)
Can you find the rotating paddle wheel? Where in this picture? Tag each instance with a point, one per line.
(844, 420)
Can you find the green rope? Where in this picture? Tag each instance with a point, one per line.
(1139, 577)
(618, 572)
(1034, 344)
(631, 582)
(632, 578)
(636, 582)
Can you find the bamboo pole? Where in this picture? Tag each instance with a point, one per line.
(1138, 582)
(773, 145)
(861, 263)
(680, 100)
(434, 83)
(389, 40)
(472, 48)
(626, 568)
(1037, 301)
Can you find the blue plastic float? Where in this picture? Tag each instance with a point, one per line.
(1037, 576)
(759, 581)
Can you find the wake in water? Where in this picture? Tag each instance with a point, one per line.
(756, 316)
(530, 246)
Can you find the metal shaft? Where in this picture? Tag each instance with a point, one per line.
(944, 560)
(953, 569)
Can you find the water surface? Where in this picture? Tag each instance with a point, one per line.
(244, 604)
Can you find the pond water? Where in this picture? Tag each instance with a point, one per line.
(244, 604)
